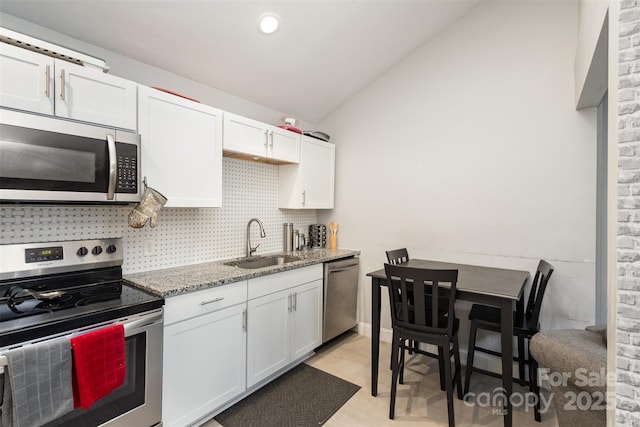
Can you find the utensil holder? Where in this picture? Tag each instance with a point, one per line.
(333, 235)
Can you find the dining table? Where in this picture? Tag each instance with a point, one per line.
(499, 287)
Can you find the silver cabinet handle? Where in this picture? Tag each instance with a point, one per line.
(266, 138)
(47, 90)
(113, 166)
(271, 135)
(62, 84)
(295, 301)
(244, 320)
(211, 301)
(304, 197)
(289, 303)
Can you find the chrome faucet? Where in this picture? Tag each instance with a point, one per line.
(251, 249)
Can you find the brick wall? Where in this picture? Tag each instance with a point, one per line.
(628, 241)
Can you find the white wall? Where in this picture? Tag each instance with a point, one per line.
(471, 150)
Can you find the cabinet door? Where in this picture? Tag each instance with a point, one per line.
(309, 184)
(92, 96)
(268, 342)
(318, 173)
(181, 148)
(204, 365)
(26, 80)
(307, 324)
(245, 136)
(284, 145)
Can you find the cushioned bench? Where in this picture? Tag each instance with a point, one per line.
(577, 362)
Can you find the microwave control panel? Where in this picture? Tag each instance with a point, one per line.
(127, 180)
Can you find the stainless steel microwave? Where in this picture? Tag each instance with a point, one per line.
(44, 159)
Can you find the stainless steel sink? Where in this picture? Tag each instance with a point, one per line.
(261, 262)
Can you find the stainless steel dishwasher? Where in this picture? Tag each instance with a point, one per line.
(340, 297)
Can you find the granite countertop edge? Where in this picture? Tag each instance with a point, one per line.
(175, 281)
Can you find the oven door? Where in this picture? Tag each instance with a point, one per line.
(138, 402)
(46, 159)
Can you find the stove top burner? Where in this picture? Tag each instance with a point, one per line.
(23, 302)
(55, 287)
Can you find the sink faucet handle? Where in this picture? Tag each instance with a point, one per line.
(254, 248)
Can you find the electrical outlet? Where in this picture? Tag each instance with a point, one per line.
(149, 248)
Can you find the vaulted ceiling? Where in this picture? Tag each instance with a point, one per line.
(324, 52)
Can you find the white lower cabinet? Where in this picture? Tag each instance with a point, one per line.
(204, 352)
(284, 320)
(220, 342)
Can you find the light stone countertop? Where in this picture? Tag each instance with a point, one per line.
(189, 278)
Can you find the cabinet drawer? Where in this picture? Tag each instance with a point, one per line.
(277, 282)
(193, 304)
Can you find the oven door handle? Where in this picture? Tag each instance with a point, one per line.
(132, 327)
(136, 326)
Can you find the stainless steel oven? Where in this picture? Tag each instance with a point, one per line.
(59, 290)
(45, 159)
(138, 402)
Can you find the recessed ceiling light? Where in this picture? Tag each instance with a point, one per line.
(268, 23)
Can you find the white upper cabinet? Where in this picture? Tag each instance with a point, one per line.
(26, 80)
(181, 148)
(309, 184)
(38, 83)
(254, 140)
(92, 96)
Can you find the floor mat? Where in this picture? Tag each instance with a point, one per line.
(304, 396)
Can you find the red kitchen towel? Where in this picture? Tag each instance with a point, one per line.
(98, 364)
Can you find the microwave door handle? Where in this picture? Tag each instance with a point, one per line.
(113, 166)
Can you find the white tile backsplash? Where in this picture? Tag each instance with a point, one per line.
(183, 235)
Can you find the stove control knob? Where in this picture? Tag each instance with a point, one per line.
(111, 249)
(97, 250)
(82, 251)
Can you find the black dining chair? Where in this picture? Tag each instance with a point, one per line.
(420, 323)
(526, 325)
(398, 256)
(401, 256)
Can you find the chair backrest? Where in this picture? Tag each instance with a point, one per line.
(398, 256)
(440, 285)
(538, 287)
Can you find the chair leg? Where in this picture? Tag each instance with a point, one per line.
(441, 360)
(394, 376)
(533, 378)
(449, 384)
(458, 373)
(402, 352)
(470, 353)
(521, 360)
(393, 339)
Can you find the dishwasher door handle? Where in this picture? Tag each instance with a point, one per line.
(334, 270)
(342, 264)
